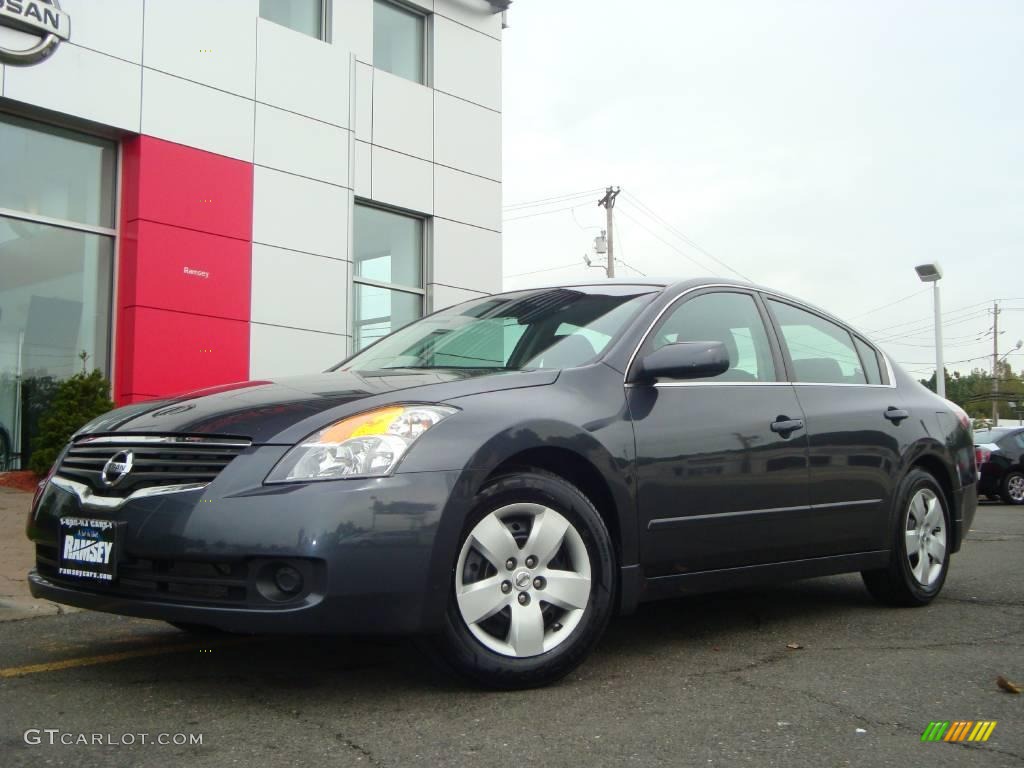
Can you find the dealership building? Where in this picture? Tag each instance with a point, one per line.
(196, 192)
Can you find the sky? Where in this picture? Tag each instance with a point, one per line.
(818, 147)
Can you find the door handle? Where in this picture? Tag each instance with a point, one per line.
(896, 415)
(786, 426)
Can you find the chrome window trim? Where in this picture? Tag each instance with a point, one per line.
(91, 500)
(129, 439)
(765, 293)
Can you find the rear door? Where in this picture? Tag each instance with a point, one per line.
(721, 462)
(856, 427)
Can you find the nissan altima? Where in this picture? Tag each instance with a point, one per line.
(504, 476)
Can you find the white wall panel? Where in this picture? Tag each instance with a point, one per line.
(299, 290)
(473, 13)
(197, 116)
(442, 296)
(298, 213)
(213, 43)
(352, 27)
(466, 198)
(466, 256)
(467, 136)
(113, 27)
(302, 145)
(301, 74)
(364, 102)
(363, 176)
(403, 181)
(83, 83)
(466, 63)
(403, 115)
(276, 352)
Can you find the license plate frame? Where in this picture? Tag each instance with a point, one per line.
(89, 549)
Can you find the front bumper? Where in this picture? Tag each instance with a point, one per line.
(376, 553)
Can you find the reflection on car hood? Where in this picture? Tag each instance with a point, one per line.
(261, 410)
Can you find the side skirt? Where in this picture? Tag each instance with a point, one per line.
(659, 587)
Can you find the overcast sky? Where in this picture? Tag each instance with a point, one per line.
(820, 147)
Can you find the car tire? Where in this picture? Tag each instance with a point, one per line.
(1012, 488)
(921, 530)
(520, 645)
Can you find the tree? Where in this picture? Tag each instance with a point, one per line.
(973, 391)
(78, 400)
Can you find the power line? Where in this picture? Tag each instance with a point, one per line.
(682, 236)
(546, 200)
(538, 271)
(543, 213)
(675, 248)
(892, 303)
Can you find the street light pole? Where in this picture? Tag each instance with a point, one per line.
(932, 273)
(940, 368)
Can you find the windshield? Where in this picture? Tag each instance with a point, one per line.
(990, 435)
(548, 328)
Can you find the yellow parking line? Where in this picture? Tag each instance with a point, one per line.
(110, 658)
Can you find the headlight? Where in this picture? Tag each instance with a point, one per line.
(368, 445)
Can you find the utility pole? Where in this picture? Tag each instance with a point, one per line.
(608, 201)
(995, 363)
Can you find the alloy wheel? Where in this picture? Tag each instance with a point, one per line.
(1015, 488)
(523, 580)
(926, 537)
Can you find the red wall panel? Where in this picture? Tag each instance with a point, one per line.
(174, 352)
(184, 270)
(181, 269)
(187, 187)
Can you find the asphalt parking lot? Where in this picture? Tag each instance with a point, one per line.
(699, 681)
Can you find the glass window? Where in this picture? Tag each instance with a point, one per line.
(868, 356)
(822, 352)
(731, 318)
(305, 16)
(379, 311)
(388, 253)
(547, 328)
(51, 172)
(54, 309)
(388, 247)
(398, 35)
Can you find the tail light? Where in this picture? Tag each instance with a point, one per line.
(961, 414)
(982, 455)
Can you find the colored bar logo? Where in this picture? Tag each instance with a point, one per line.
(958, 730)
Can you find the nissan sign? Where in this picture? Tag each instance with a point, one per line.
(42, 21)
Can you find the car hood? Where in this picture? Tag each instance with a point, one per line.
(286, 410)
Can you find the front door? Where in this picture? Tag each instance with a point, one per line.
(721, 462)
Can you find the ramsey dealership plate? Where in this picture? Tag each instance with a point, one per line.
(88, 548)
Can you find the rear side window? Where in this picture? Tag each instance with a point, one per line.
(869, 357)
(731, 318)
(822, 352)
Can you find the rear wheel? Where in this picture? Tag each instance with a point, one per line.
(1013, 488)
(533, 586)
(920, 546)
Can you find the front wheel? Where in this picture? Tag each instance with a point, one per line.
(920, 545)
(1013, 488)
(533, 585)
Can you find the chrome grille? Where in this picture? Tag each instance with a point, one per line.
(156, 461)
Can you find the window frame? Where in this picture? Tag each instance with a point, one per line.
(646, 342)
(884, 368)
(426, 72)
(357, 280)
(326, 17)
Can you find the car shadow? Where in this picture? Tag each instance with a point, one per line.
(376, 665)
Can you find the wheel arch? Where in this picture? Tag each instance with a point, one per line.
(935, 464)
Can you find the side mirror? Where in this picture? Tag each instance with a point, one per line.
(682, 360)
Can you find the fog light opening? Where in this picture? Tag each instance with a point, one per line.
(288, 580)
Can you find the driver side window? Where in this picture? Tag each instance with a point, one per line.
(731, 318)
